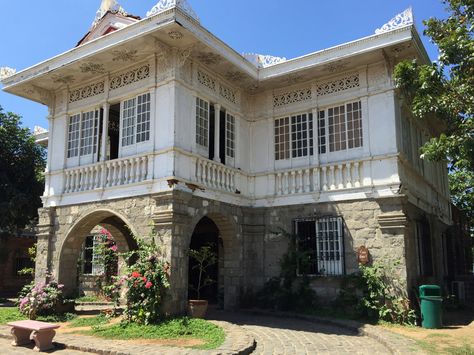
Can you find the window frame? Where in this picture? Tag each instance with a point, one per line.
(197, 127)
(230, 143)
(91, 157)
(338, 265)
(292, 146)
(132, 147)
(324, 145)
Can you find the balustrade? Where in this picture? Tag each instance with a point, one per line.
(328, 177)
(215, 175)
(106, 174)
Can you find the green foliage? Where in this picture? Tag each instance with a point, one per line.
(22, 164)
(146, 283)
(30, 270)
(205, 258)
(40, 299)
(445, 89)
(177, 328)
(384, 298)
(54, 318)
(288, 292)
(10, 314)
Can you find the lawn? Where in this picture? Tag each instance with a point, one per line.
(206, 334)
(10, 314)
(190, 332)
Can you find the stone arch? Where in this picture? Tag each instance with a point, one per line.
(69, 250)
(231, 260)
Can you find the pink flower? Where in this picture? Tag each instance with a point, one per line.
(113, 248)
(148, 284)
(136, 274)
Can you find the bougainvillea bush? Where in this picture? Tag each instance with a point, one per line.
(40, 299)
(145, 283)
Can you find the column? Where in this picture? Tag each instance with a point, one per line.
(103, 147)
(217, 115)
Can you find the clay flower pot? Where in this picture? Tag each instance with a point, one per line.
(197, 308)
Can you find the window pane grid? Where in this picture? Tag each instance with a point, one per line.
(354, 125)
(202, 122)
(87, 133)
(128, 122)
(282, 138)
(299, 136)
(230, 135)
(337, 128)
(73, 136)
(143, 118)
(322, 133)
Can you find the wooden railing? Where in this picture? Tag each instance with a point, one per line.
(106, 174)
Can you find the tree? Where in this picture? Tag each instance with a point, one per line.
(22, 163)
(445, 89)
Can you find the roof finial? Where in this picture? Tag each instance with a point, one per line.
(163, 5)
(402, 19)
(107, 5)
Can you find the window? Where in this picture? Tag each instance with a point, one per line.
(322, 242)
(136, 120)
(82, 134)
(282, 138)
(92, 265)
(423, 239)
(344, 127)
(301, 133)
(406, 139)
(321, 133)
(230, 135)
(143, 118)
(202, 122)
(73, 136)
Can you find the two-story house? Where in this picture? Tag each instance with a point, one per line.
(157, 122)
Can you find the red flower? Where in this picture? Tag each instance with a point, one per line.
(113, 248)
(148, 284)
(144, 279)
(136, 274)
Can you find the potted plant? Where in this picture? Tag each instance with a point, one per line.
(205, 257)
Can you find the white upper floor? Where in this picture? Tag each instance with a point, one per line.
(142, 106)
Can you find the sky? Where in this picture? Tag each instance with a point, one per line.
(33, 31)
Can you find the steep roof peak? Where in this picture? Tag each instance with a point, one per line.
(164, 5)
(106, 6)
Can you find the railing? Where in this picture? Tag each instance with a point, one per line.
(106, 174)
(215, 175)
(328, 177)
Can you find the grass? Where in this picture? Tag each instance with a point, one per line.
(90, 299)
(177, 328)
(88, 322)
(10, 314)
(460, 350)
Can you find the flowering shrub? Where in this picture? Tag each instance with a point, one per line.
(40, 299)
(107, 254)
(145, 284)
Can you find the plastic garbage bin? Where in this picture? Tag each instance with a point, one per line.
(431, 301)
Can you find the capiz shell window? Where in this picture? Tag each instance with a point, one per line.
(202, 122)
(136, 114)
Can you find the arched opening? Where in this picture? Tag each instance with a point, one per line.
(206, 233)
(78, 276)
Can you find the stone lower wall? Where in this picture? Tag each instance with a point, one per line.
(252, 245)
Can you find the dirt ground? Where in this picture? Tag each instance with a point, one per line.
(456, 336)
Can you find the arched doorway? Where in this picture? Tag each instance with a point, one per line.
(206, 233)
(72, 249)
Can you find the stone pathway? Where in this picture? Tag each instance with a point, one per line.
(285, 336)
(273, 336)
(7, 349)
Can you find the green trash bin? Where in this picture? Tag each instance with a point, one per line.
(431, 301)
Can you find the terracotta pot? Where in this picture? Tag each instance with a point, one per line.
(197, 308)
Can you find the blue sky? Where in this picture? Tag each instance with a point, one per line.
(38, 30)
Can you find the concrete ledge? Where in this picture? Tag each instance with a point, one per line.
(237, 342)
(395, 343)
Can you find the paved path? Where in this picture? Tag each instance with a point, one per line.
(273, 335)
(285, 336)
(7, 349)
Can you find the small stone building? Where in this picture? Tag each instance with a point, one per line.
(157, 128)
